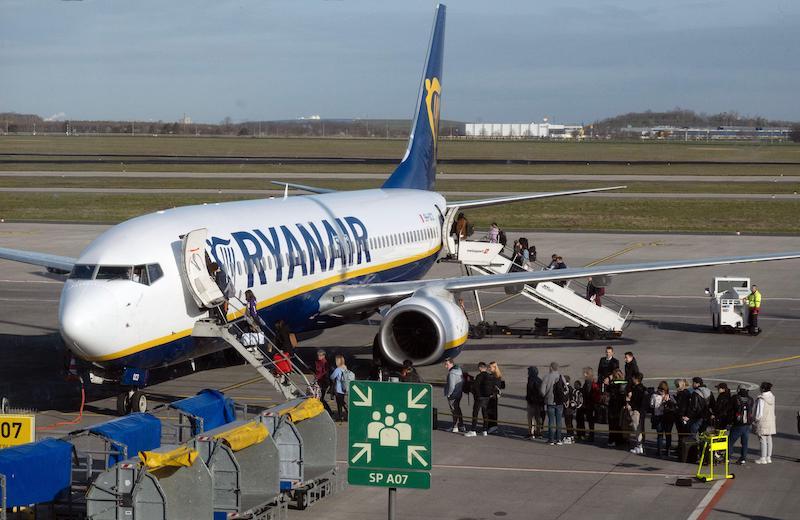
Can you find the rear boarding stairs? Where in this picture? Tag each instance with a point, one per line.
(593, 321)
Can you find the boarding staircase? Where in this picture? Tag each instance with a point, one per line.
(610, 320)
(290, 385)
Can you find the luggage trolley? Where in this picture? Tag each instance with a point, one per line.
(35, 474)
(244, 464)
(306, 440)
(204, 411)
(165, 483)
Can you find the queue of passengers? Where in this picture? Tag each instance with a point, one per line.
(617, 397)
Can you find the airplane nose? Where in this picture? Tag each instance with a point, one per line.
(89, 317)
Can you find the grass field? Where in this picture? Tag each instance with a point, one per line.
(700, 215)
(756, 170)
(694, 215)
(442, 185)
(449, 149)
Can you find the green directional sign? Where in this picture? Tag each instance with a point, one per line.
(389, 434)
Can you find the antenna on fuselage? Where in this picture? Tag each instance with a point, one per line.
(286, 191)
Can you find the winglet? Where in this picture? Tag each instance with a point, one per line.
(418, 168)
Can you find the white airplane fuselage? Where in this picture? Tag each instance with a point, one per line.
(287, 251)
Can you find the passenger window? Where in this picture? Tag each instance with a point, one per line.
(154, 272)
(82, 272)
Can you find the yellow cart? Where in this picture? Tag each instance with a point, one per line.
(713, 443)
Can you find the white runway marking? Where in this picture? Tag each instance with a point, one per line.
(29, 300)
(30, 281)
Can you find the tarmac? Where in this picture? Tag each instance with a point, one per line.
(503, 475)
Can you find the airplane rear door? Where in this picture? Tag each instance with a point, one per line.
(201, 285)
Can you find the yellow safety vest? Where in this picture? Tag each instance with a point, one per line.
(754, 299)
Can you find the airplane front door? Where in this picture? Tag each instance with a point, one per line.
(195, 273)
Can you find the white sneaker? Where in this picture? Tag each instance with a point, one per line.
(641, 450)
(484, 433)
(470, 434)
(761, 461)
(769, 460)
(455, 429)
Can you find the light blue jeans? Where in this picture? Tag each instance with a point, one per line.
(554, 414)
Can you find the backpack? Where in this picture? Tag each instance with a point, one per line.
(532, 253)
(470, 229)
(347, 376)
(670, 407)
(467, 386)
(560, 395)
(502, 238)
(743, 415)
(575, 398)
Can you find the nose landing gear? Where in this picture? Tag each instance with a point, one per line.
(132, 401)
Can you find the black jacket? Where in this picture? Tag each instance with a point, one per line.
(682, 400)
(533, 393)
(484, 385)
(606, 368)
(631, 369)
(724, 410)
(639, 400)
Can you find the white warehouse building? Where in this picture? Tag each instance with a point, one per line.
(522, 130)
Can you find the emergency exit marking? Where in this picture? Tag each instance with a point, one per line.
(389, 478)
(16, 430)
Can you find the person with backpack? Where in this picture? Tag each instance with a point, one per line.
(502, 238)
(591, 399)
(482, 388)
(664, 411)
(554, 390)
(743, 408)
(226, 287)
(408, 374)
(722, 411)
(574, 402)
(535, 403)
(616, 406)
(340, 378)
(764, 423)
(453, 391)
(682, 395)
(700, 404)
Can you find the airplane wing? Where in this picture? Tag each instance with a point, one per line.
(348, 298)
(52, 262)
(303, 187)
(523, 196)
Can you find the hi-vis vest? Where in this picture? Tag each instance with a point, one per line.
(754, 299)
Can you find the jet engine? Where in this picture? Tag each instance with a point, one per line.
(421, 328)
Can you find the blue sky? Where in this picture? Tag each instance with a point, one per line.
(511, 60)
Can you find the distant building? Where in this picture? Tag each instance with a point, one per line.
(675, 133)
(522, 131)
(185, 120)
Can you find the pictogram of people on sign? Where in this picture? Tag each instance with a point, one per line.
(388, 431)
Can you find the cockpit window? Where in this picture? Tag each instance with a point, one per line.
(114, 272)
(82, 272)
(154, 272)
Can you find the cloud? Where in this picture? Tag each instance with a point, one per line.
(56, 117)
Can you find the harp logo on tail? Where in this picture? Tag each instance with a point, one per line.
(433, 91)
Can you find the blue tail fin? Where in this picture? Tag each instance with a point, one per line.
(418, 168)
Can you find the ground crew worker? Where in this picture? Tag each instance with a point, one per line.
(754, 307)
